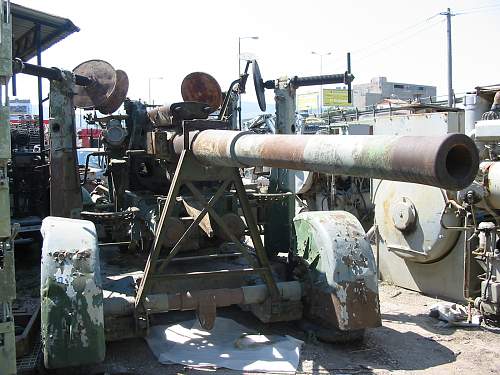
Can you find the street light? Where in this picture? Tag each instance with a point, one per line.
(240, 38)
(149, 87)
(321, 55)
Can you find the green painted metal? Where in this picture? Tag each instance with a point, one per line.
(5, 229)
(279, 214)
(5, 74)
(7, 274)
(7, 294)
(278, 223)
(65, 190)
(344, 290)
(72, 319)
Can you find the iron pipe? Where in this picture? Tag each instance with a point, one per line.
(53, 74)
(449, 162)
(117, 304)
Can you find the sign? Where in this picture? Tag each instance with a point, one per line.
(335, 98)
(307, 101)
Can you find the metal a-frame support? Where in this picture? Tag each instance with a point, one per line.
(189, 170)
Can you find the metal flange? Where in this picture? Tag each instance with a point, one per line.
(118, 95)
(104, 79)
(202, 88)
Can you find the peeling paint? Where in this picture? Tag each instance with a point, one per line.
(72, 321)
(344, 289)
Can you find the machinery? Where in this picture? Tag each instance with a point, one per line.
(438, 241)
(176, 198)
(7, 277)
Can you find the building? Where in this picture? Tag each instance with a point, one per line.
(378, 89)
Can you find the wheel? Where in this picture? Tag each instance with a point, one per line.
(332, 334)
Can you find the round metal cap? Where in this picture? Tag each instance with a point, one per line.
(97, 93)
(118, 95)
(259, 86)
(403, 214)
(202, 88)
(115, 134)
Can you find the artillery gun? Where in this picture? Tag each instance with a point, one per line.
(176, 193)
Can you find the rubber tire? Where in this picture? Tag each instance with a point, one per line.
(332, 335)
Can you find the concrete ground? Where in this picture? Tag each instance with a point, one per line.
(409, 342)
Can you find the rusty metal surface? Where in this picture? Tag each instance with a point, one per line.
(342, 271)
(104, 80)
(201, 87)
(449, 161)
(65, 190)
(234, 224)
(160, 116)
(117, 304)
(118, 94)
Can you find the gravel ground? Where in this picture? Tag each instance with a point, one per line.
(409, 342)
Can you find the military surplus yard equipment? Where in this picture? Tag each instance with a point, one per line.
(440, 242)
(175, 194)
(7, 277)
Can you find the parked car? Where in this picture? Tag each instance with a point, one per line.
(96, 164)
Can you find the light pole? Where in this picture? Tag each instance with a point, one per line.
(149, 87)
(239, 72)
(321, 55)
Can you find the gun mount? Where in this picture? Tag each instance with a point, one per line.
(176, 196)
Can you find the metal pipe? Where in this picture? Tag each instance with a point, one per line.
(53, 74)
(41, 128)
(450, 162)
(121, 305)
(322, 80)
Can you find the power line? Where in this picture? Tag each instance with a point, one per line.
(393, 35)
(397, 34)
(477, 9)
(363, 57)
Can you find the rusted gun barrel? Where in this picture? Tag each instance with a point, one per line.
(449, 162)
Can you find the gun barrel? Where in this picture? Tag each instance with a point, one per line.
(449, 162)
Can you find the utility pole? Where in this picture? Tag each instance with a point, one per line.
(448, 15)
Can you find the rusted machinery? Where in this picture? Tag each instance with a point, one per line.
(176, 195)
(438, 241)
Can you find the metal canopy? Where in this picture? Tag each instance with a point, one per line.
(25, 24)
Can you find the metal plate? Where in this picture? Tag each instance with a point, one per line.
(118, 95)
(259, 86)
(427, 240)
(95, 95)
(203, 88)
